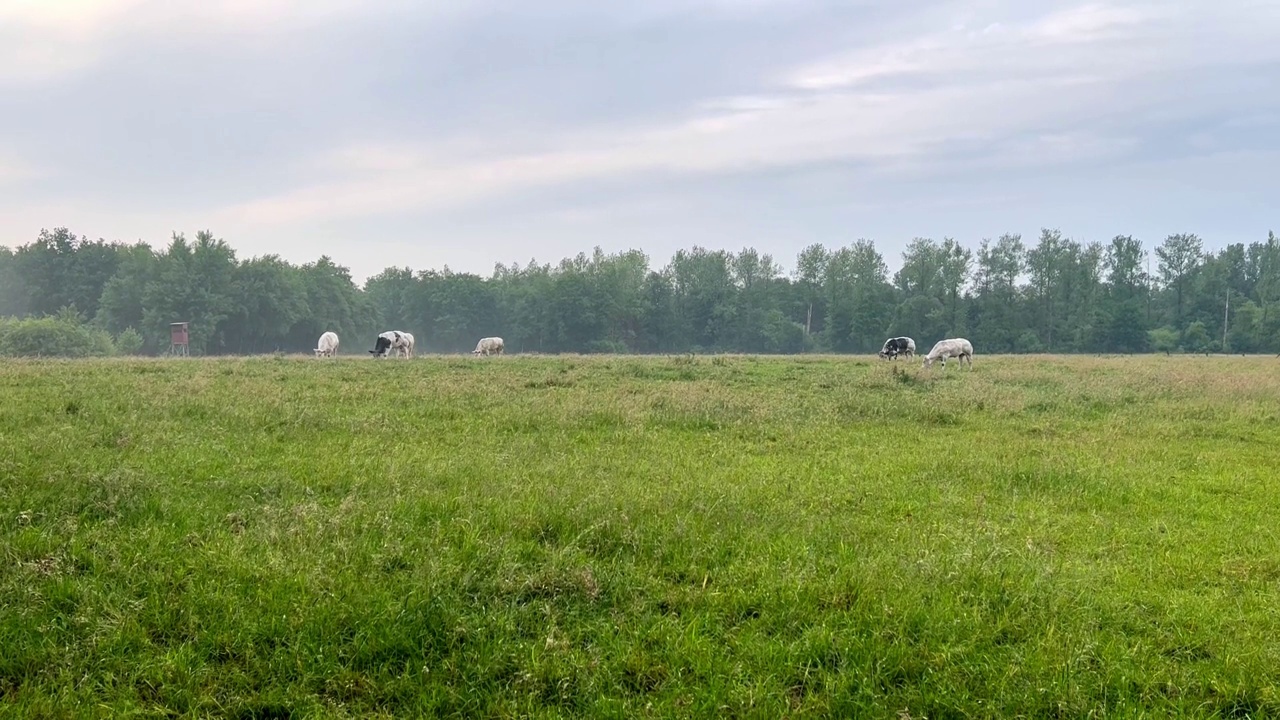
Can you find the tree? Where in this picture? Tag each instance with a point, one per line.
(1123, 263)
(704, 296)
(13, 291)
(859, 299)
(956, 264)
(391, 293)
(1127, 286)
(1058, 296)
(997, 322)
(1179, 257)
(59, 269)
(195, 283)
(123, 301)
(811, 271)
(272, 299)
(1045, 265)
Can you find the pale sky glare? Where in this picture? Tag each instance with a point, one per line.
(469, 132)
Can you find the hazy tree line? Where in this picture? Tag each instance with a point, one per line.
(1053, 294)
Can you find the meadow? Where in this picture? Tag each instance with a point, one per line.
(640, 537)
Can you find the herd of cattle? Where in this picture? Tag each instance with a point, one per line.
(401, 344)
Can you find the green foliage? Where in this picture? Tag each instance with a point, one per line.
(1196, 339)
(1028, 342)
(58, 337)
(59, 270)
(130, 342)
(1163, 339)
(1058, 295)
(13, 290)
(640, 537)
(1124, 330)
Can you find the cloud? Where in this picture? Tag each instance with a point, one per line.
(1091, 23)
(820, 112)
(287, 122)
(44, 40)
(1058, 43)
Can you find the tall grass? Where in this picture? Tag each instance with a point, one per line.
(622, 537)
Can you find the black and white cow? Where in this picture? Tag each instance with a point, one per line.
(898, 346)
(393, 341)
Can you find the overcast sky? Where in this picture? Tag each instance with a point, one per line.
(469, 132)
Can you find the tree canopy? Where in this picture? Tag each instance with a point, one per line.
(1055, 294)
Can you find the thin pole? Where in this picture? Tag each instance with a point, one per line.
(1225, 314)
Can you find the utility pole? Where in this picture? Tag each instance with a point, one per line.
(1225, 314)
(1148, 289)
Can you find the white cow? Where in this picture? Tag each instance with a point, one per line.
(328, 345)
(952, 347)
(489, 346)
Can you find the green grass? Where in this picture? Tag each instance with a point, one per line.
(634, 537)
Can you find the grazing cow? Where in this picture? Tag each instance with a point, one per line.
(393, 340)
(899, 345)
(328, 345)
(489, 346)
(953, 347)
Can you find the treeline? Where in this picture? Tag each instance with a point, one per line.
(1051, 295)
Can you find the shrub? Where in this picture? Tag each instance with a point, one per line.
(1029, 342)
(1196, 339)
(130, 342)
(1163, 339)
(53, 337)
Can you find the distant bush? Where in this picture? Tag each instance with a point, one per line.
(1029, 342)
(1196, 339)
(1163, 339)
(53, 337)
(130, 342)
(784, 336)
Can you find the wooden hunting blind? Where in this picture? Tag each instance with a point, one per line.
(179, 339)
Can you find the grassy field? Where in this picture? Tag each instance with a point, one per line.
(634, 537)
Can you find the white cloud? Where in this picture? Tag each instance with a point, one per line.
(823, 117)
(890, 129)
(1063, 42)
(40, 39)
(1091, 23)
(866, 122)
(863, 65)
(47, 39)
(1032, 90)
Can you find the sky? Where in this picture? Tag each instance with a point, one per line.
(464, 133)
